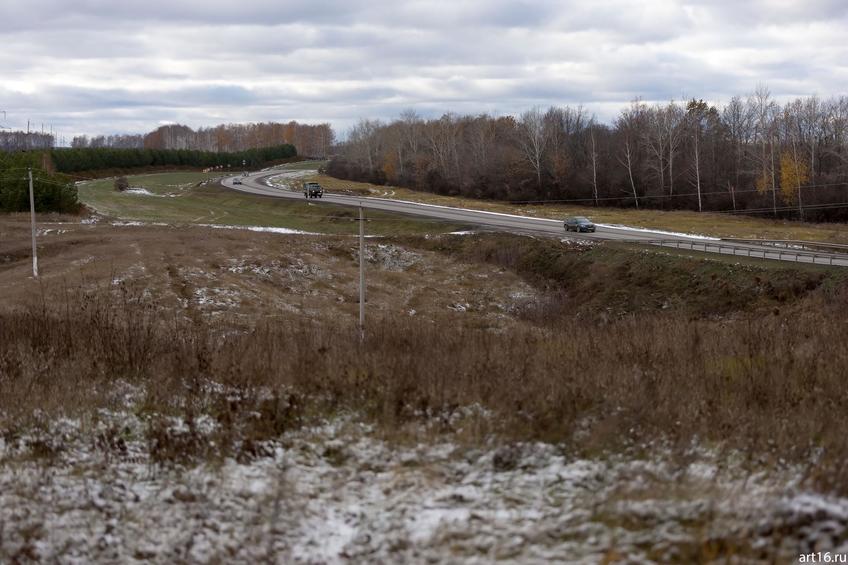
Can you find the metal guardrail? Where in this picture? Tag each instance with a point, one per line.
(723, 247)
(786, 243)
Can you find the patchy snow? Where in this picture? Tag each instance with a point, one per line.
(47, 231)
(287, 179)
(292, 269)
(239, 267)
(336, 493)
(580, 242)
(381, 192)
(389, 257)
(141, 191)
(217, 297)
(287, 231)
(134, 223)
(658, 232)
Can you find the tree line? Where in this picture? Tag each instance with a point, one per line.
(93, 159)
(25, 141)
(52, 192)
(310, 140)
(750, 155)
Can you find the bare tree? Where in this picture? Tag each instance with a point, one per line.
(533, 137)
(646, 153)
(763, 110)
(363, 136)
(655, 138)
(627, 161)
(594, 154)
(629, 124)
(737, 118)
(672, 120)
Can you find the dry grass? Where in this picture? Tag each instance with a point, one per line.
(240, 276)
(602, 349)
(768, 387)
(197, 198)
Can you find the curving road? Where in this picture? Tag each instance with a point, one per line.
(257, 183)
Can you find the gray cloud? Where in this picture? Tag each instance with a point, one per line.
(96, 66)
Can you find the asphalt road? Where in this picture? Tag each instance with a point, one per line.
(256, 183)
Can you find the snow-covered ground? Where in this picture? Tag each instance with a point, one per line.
(288, 179)
(337, 493)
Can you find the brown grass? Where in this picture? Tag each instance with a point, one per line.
(245, 276)
(614, 350)
(772, 387)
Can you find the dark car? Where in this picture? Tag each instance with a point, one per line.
(313, 190)
(579, 224)
(236, 181)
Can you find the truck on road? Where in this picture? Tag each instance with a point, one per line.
(312, 190)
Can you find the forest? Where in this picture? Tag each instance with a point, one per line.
(52, 192)
(751, 155)
(310, 140)
(102, 158)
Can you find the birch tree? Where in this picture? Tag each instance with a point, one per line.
(532, 137)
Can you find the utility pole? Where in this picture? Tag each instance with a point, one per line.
(32, 217)
(361, 272)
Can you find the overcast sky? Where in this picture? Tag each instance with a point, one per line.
(103, 66)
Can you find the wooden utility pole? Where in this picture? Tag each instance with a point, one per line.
(32, 218)
(361, 273)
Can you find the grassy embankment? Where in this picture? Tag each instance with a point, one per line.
(708, 223)
(183, 198)
(615, 351)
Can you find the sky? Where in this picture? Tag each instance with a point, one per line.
(102, 67)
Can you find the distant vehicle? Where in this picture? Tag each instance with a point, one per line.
(236, 181)
(579, 224)
(312, 190)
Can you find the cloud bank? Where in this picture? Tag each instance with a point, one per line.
(94, 66)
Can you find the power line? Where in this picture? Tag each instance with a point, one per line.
(676, 195)
(793, 208)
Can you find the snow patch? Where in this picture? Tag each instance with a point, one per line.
(48, 231)
(658, 232)
(390, 257)
(286, 179)
(141, 191)
(287, 231)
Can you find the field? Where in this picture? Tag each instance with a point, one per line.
(196, 198)
(187, 393)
